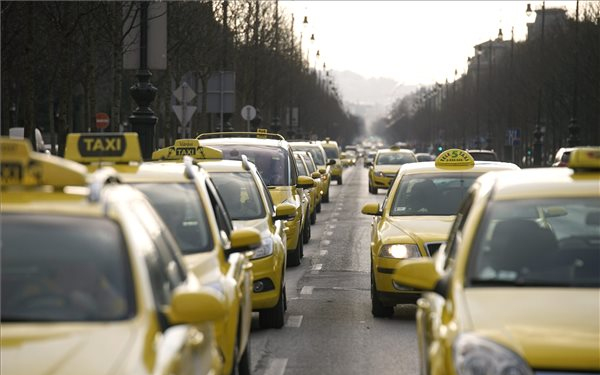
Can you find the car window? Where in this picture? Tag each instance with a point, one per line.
(272, 162)
(331, 152)
(223, 219)
(72, 269)
(240, 194)
(431, 194)
(315, 151)
(179, 206)
(301, 167)
(309, 164)
(455, 237)
(557, 247)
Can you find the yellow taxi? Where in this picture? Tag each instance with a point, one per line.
(186, 199)
(317, 152)
(92, 280)
(415, 217)
(385, 166)
(274, 160)
(249, 205)
(516, 290)
(332, 152)
(317, 191)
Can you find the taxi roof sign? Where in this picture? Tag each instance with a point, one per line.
(189, 147)
(585, 158)
(103, 147)
(20, 165)
(454, 158)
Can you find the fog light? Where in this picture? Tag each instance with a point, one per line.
(258, 286)
(263, 285)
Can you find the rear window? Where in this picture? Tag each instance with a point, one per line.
(240, 194)
(71, 269)
(331, 152)
(179, 206)
(315, 152)
(394, 158)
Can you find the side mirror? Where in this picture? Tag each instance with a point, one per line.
(371, 209)
(369, 164)
(245, 239)
(284, 211)
(305, 182)
(322, 170)
(417, 273)
(315, 175)
(201, 304)
(331, 162)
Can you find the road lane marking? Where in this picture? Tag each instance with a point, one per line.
(276, 367)
(294, 321)
(328, 233)
(323, 253)
(317, 267)
(325, 242)
(307, 289)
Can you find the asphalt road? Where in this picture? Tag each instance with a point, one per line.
(329, 327)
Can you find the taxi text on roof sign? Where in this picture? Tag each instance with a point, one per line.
(454, 158)
(261, 132)
(100, 147)
(189, 147)
(20, 165)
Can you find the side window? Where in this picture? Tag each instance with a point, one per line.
(455, 239)
(267, 195)
(164, 267)
(293, 169)
(223, 220)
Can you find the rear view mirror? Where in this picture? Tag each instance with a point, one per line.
(284, 211)
(198, 305)
(315, 175)
(322, 170)
(244, 240)
(305, 182)
(555, 211)
(371, 209)
(331, 162)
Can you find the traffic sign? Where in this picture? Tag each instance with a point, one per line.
(184, 113)
(248, 113)
(102, 120)
(184, 93)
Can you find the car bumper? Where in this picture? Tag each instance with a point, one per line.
(391, 293)
(267, 274)
(381, 182)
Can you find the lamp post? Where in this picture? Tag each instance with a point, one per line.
(538, 133)
(573, 139)
(478, 53)
(142, 119)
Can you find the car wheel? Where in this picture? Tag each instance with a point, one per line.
(306, 232)
(326, 197)
(243, 366)
(339, 180)
(372, 190)
(378, 309)
(313, 216)
(318, 208)
(273, 317)
(294, 257)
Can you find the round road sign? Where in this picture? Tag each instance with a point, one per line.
(248, 113)
(102, 120)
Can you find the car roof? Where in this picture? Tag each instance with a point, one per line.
(245, 141)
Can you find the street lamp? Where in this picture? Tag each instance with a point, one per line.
(573, 139)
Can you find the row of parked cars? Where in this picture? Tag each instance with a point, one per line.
(503, 263)
(112, 264)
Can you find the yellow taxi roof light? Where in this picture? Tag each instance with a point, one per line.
(103, 147)
(454, 158)
(189, 147)
(20, 165)
(585, 158)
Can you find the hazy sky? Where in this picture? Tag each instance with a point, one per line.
(413, 42)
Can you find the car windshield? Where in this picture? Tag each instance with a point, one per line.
(431, 194)
(71, 269)
(331, 152)
(179, 206)
(390, 158)
(240, 195)
(272, 162)
(484, 156)
(314, 151)
(542, 242)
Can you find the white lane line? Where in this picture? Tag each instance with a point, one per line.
(276, 366)
(328, 233)
(335, 214)
(294, 321)
(317, 267)
(323, 253)
(307, 289)
(339, 208)
(331, 226)
(334, 219)
(325, 242)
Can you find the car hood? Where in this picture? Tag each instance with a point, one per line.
(66, 348)
(280, 194)
(552, 328)
(391, 168)
(418, 228)
(261, 225)
(205, 266)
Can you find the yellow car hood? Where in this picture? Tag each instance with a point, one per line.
(391, 168)
(552, 328)
(66, 348)
(205, 266)
(261, 225)
(281, 194)
(418, 228)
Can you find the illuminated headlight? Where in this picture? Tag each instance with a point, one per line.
(379, 174)
(399, 251)
(476, 355)
(265, 249)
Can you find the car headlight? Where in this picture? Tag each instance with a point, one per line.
(475, 355)
(379, 174)
(400, 251)
(265, 249)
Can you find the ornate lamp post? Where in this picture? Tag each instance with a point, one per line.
(538, 133)
(143, 92)
(573, 139)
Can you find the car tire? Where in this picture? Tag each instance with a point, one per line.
(275, 316)
(295, 257)
(378, 309)
(326, 197)
(318, 208)
(339, 180)
(313, 216)
(306, 234)
(243, 366)
(372, 190)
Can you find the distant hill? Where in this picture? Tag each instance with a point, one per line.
(370, 98)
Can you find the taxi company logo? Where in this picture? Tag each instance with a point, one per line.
(113, 145)
(181, 143)
(11, 172)
(455, 156)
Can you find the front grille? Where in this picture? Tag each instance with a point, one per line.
(433, 247)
